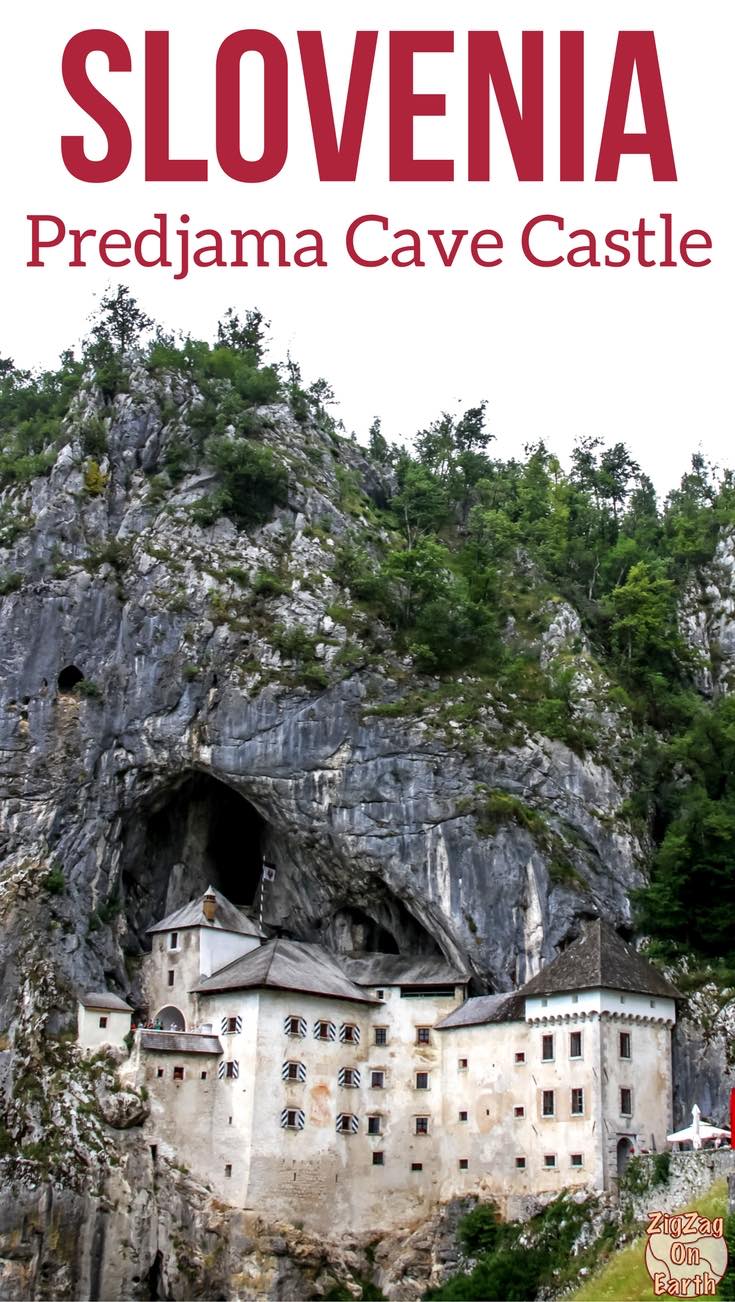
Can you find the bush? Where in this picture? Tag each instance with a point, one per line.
(95, 482)
(10, 583)
(254, 481)
(478, 1230)
(54, 882)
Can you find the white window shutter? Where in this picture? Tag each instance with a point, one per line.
(354, 1030)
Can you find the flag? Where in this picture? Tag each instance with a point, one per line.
(269, 872)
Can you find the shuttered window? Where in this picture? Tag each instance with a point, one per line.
(295, 1025)
(228, 1070)
(349, 1033)
(294, 1071)
(292, 1119)
(325, 1031)
(349, 1077)
(347, 1123)
(231, 1026)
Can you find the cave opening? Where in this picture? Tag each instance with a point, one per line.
(196, 833)
(68, 678)
(388, 928)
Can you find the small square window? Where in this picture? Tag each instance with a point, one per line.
(374, 1125)
(381, 1035)
(232, 1071)
(423, 1034)
(292, 1119)
(417, 1166)
(626, 1102)
(349, 1034)
(520, 1056)
(464, 1164)
(350, 1078)
(103, 1022)
(159, 1072)
(463, 1116)
(292, 1071)
(624, 1044)
(203, 1076)
(228, 1170)
(324, 1031)
(178, 1073)
(377, 1080)
(422, 1080)
(544, 1003)
(520, 1163)
(378, 1159)
(575, 1159)
(575, 1044)
(171, 976)
(547, 1048)
(231, 1027)
(575, 999)
(422, 1125)
(380, 994)
(652, 1003)
(577, 1103)
(550, 1159)
(173, 940)
(519, 1111)
(462, 1064)
(547, 1103)
(294, 1026)
(622, 999)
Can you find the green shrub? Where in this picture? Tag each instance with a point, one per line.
(54, 881)
(95, 481)
(254, 481)
(88, 688)
(93, 437)
(10, 583)
(268, 584)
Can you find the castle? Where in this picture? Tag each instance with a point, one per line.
(368, 1090)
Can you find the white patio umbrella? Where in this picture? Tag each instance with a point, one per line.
(698, 1131)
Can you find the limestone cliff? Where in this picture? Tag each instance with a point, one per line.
(179, 698)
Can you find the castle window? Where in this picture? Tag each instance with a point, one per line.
(203, 1076)
(377, 1080)
(576, 1159)
(349, 1078)
(378, 1159)
(550, 1160)
(417, 1166)
(380, 994)
(547, 1103)
(547, 1048)
(295, 1026)
(423, 1035)
(229, 1070)
(626, 1102)
(422, 1080)
(464, 1164)
(228, 1170)
(544, 1003)
(422, 1125)
(577, 1104)
(325, 1031)
(622, 999)
(520, 1163)
(462, 1064)
(652, 1003)
(347, 1123)
(520, 1057)
(231, 1026)
(575, 999)
(349, 1033)
(178, 1073)
(292, 1119)
(103, 1022)
(171, 976)
(173, 940)
(519, 1111)
(375, 1125)
(294, 1071)
(624, 1044)
(463, 1116)
(159, 1072)
(575, 1044)
(381, 1035)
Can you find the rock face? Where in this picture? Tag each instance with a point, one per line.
(179, 701)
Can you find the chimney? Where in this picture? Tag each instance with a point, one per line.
(209, 905)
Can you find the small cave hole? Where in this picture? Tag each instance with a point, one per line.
(68, 678)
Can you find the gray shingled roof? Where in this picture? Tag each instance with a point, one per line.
(227, 918)
(402, 970)
(600, 959)
(180, 1042)
(482, 1009)
(105, 1001)
(285, 965)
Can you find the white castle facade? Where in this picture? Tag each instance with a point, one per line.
(366, 1091)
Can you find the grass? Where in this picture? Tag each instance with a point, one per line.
(625, 1278)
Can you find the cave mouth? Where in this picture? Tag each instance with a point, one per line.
(196, 833)
(68, 678)
(389, 928)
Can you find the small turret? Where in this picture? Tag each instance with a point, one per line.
(209, 905)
